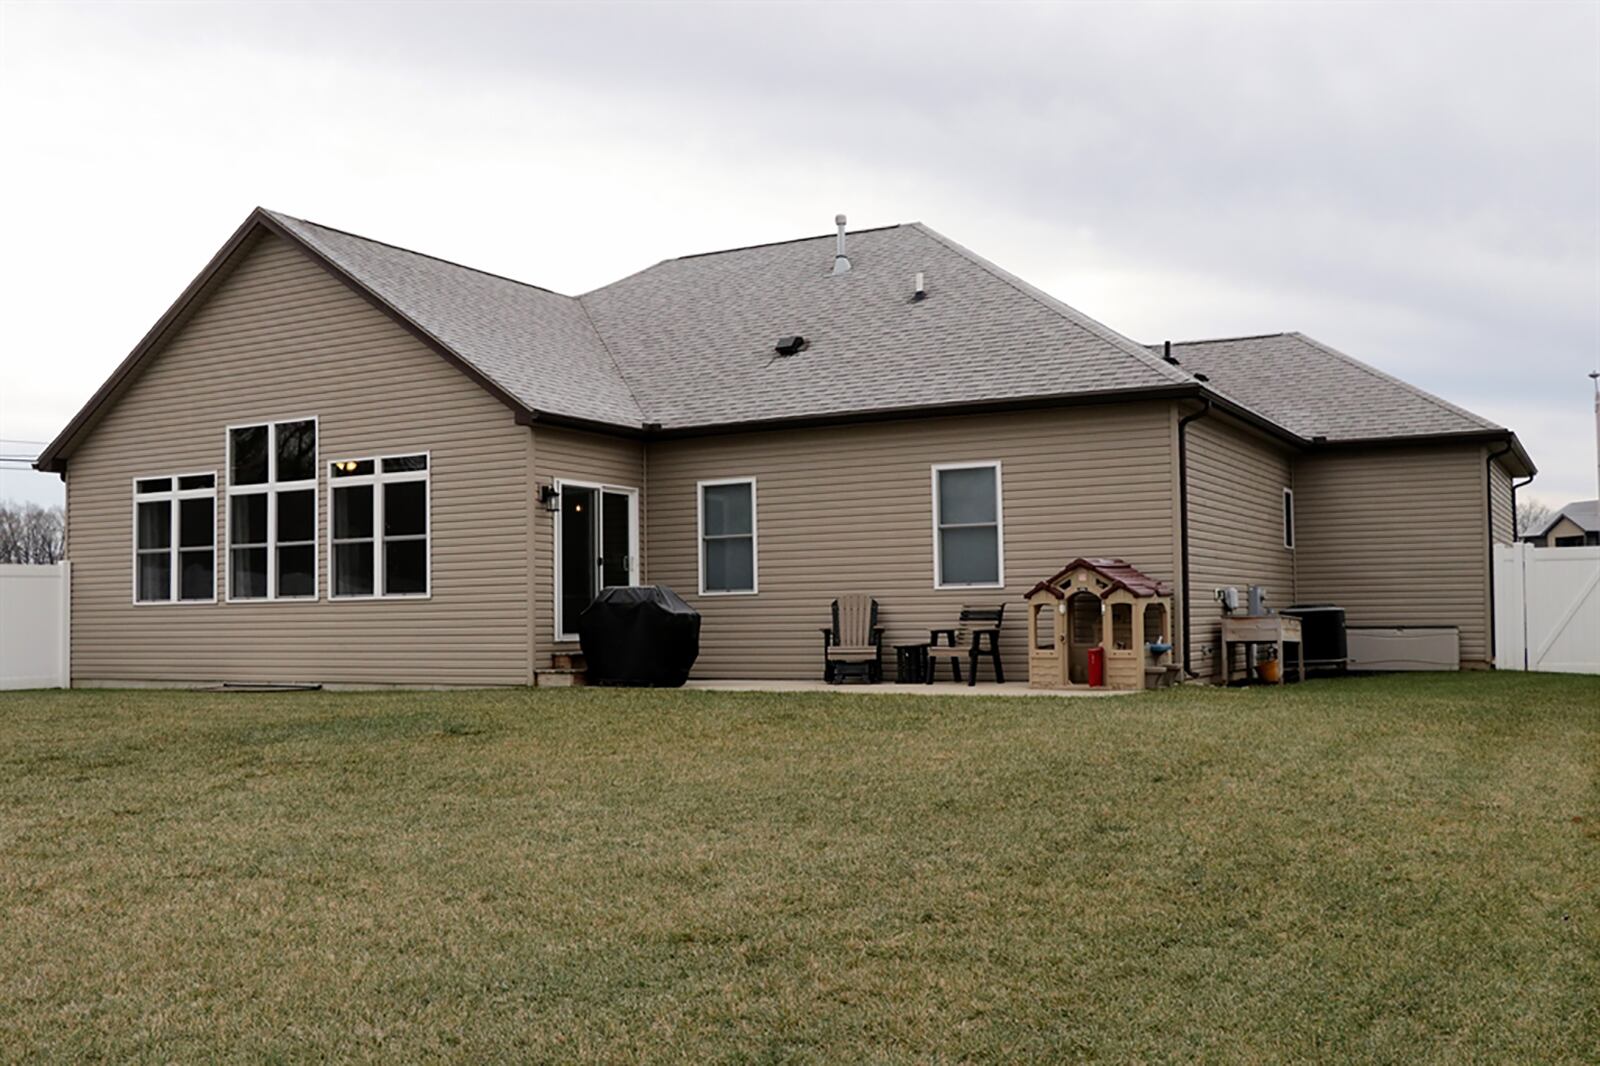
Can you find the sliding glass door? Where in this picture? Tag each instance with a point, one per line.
(597, 545)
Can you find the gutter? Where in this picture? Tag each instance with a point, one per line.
(1183, 524)
(1488, 513)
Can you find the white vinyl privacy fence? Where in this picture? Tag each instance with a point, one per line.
(34, 625)
(1547, 609)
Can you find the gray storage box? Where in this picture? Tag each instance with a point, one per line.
(1392, 648)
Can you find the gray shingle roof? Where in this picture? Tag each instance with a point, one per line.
(1313, 390)
(537, 345)
(1585, 514)
(695, 336)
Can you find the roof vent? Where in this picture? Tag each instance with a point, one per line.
(841, 265)
(791, 345)
(921, 291)
(1166, 353)
(1200, 377)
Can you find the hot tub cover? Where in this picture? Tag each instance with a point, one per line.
(639, 635)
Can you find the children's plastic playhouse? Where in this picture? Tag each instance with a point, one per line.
(1100, 621)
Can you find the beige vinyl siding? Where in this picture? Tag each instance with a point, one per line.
(1397, 536)
(578, 456)
(1236, 483)
(1501, 511)
(849, 509)
(281, 338)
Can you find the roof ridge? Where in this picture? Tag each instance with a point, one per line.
(1222, 340)
(412, 251)
(1126, 344)
(1381, 375)
(791, 240)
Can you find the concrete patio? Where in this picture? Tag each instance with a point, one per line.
(891, 688)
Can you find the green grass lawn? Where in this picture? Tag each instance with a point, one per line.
(1400, 869)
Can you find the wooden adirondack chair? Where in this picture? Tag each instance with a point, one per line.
(853, 645)
(977, 625)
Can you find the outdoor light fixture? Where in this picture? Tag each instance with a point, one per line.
(550, 497)
(345, 466)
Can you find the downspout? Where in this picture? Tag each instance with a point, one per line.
(1183, 525)
(1488, 512)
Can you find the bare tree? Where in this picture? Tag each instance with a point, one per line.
(1531, 515)
(30, 533)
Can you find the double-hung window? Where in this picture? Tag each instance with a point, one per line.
(175, 539)
(380, 527)
(968, 526)
(272, 511)
(727, 536)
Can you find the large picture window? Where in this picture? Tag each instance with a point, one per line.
(272, 511)
(175, 539)
(381, 527)
(727, 536)
(968, 526)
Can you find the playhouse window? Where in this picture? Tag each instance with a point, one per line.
(1155, 623)
(968, 530)
(1122, 626)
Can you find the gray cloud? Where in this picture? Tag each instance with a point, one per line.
(1418, 184)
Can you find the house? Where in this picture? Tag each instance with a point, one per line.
(334, 460)
(1574, 526)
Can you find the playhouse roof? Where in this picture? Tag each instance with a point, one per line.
(1115, 571)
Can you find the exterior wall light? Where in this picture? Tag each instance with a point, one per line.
(550, 497)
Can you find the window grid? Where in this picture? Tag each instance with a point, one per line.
(145, 491)
(373, 476)
(940, 526)
(706, 538)
(271, 489)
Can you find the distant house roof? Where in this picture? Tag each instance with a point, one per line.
(688, 345)
(1317, 391)
(1585, 514)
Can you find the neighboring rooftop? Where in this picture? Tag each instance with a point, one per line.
(1585, 514)
(1313, 390)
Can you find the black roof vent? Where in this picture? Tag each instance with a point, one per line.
(1166, 353)
(791, 345)
(1200, 377)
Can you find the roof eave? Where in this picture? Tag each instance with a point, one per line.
(1521, 464)
(959, 407)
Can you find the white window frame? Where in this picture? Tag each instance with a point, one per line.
(1288, 516)
(558, 622)
(271, 487)
(377, 479)
(999, 524)
(755, 535)
(172, 495)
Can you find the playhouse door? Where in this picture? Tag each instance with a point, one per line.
(1083, 632)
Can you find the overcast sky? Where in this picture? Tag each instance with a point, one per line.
(1418, 185)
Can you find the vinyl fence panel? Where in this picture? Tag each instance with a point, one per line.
(1547, 609)
(35, 625)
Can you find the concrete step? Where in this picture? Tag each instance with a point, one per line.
(559, 678)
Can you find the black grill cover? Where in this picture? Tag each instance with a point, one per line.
(640, 635)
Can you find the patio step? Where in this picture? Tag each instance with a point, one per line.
(559, 678)
(568, 660)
